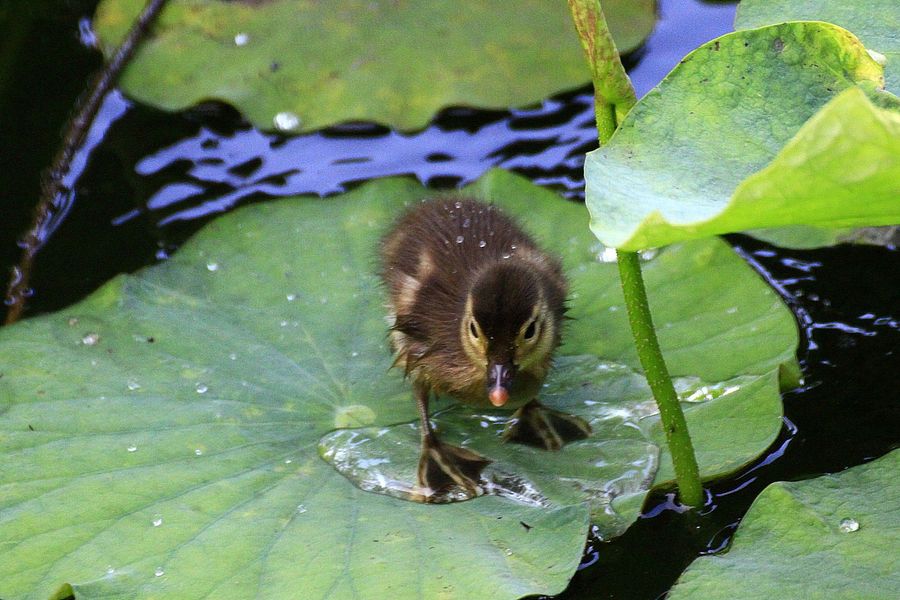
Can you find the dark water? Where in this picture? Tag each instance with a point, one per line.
(846, 413)
(147, 180)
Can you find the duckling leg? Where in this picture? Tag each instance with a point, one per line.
(536, 425)
(442, 466)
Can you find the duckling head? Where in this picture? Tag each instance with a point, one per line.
(510, 325)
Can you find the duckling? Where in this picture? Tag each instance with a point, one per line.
(477, 311)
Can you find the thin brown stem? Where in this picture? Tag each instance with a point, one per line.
(52, 186)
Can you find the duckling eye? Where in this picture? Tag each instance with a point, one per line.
(473, 330)
(529, 332)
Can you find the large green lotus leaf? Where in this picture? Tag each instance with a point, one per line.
(876, 23)
(736, 138)
(161, 438)
(391, 62)
(833, 537)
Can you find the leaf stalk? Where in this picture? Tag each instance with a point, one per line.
(687, 473)
(613, 98)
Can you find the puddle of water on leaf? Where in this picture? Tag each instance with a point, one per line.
(384, 460)
(617, 460)
(692, 389)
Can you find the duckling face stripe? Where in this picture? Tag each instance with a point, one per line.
(474, 341)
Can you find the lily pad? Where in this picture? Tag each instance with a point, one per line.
(831, 537)
(876, 23)
(161, 437)
(759, 128)
(315, 64)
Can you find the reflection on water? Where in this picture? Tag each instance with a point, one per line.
(219, 167)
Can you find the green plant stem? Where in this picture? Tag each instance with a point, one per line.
(687, 474)
(613, 98)
(613, 93)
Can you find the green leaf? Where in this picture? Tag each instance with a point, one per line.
(832, 537)
(734, 139)
(876, 23)
(161, 438)
(395, 63)
(805, 236)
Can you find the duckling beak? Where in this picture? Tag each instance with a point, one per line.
(499, 379)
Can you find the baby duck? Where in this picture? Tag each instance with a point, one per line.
(477, 311)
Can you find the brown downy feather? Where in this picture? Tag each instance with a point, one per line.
(438, 253)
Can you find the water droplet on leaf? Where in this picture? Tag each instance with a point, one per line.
(848, 525)
(286, 121)
(90, 339)
(212, 267)
(201, 388)
(241, 39)
(459, 239)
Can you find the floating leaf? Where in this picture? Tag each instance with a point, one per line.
(161, 438)
(833, 537)
(876, 23)
(734, 139)
(301, 65)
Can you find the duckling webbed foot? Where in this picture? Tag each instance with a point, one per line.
(536, 425)
(443, 467)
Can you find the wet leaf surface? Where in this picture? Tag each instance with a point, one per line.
(300, 65)
(833, 536)
(162, 437)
